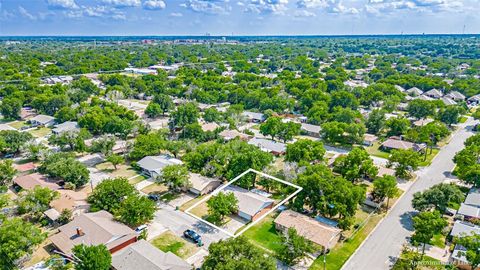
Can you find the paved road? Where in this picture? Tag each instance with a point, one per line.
(379, 251)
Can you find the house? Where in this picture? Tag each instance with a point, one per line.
(382, 171)
(448, 101)
(311, 130)
(424, 97)
(269, 146)
(30, 181)
(254, 117)
(93, 229)
(369, 139)
(68, 126)
(461, 228)
(469, 212)
(317, 232)
(414, 91)
(474, 100)
(71, 200)
(422, 122)
(142, 255)
(458, 258)
(201, 185)
(153, 165)
(251, 206)
(399, 88)
(434, 93)
(473, 197)
(91, 160)
(25, 167)
(228, 135)
(6, 127)
(42, 120)
(210, 126)
(390, 144)
(455, 95)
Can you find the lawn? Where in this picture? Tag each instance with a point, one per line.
(200, 210)
(169, 242)
(462, 119)
(122, 170)
(438, 240)
(137, 179)
(40, 132)
(374, 150)
(188, 204)
(430, 157)
(342, 251)
(264, 234)
(155, 188)
(17, 124)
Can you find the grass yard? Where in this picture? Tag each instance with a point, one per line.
(188, 204)
(155, 188)
(438, 240)
(375, 150)
(40, 132)
(430, 157)
(462, 119)
(200, 210)
(17, 124)
(122, 170)
(264, 234)
(169, 242)
(41, 253)
(137, 179)
(342, 251)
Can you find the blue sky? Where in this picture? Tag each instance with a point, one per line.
(237, 17)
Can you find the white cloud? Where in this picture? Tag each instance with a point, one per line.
(24, 13)
(208, 6)
(267, 6)
(388, 6)
(154, 4)
(63, 4)
(303, 13)
(123, 3)
(329, 6)
(311, 3)
(102, 12)
(176, 14)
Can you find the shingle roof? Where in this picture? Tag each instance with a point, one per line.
(469, 210)
(248, 202)
(143, 256)
(30, 181)
(43, 119)
(307, 227)
(415, 91)
(66, 126)
(232, 134)
(199, 182)
(448, 101)
(254, 115)
(311, 128)
(434, 93)
(157, 163)
(98, 228)
(464, 228)
(268, 145)
(6, 127)
(210, 126)
(456, 95)
(473, 197)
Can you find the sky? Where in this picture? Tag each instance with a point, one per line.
(237, 17)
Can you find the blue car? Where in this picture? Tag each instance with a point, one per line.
(195, 237)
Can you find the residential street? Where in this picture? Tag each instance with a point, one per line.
(380, 249)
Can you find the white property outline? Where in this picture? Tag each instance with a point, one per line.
(216, 191)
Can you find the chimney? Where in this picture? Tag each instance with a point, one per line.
(80, 232)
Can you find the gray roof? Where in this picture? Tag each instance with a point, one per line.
(448, 101)
(434, 93)
(459, 254)
(157, 163)
(199, 182)
(473, 197)
(311, 128)
(248, 202)
(66, 126)
(469, 211)
(6, 127)
(43, 119)
(415, 91)
(399, 88)
(464, 228)
(456, 95)
(144, 256)
(268, 145)
(474, 98)
(254, 115)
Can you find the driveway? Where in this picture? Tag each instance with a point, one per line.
(177, 221)
(382, 247)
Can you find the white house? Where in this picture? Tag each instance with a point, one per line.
(153, 165)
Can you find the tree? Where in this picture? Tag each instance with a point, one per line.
(288, 130)
(221, 205)
(212, 115)
(176, 177)
(109, 194)
(385, 187)
(397, 126)
(304, 150)
(89, 257)
(34, 150)
(11, 108)
(136, 210)
(13, 140)
(236, 253)
(164, 102)
(450, 114)
(294, 247)
(472, 245)
(271, 127)
(147, 145)
(175, 147)
(419, 108)
(65, 166)
(355, 165)
(404, 162)
(104, 145)
(183, 115)
(376, 121)
(17, 239)
(438, 197)
(153, 110)
(36, 201)
(115, 160)
(7, 172)
(73, 139)
(426, 225)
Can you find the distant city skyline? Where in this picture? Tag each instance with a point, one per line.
(238, 17)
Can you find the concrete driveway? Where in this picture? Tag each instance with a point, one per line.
(177, 221)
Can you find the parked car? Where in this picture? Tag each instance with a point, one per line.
(195, 237)
(141, 228)
(154, 197)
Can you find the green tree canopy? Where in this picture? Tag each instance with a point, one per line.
(92, 257)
